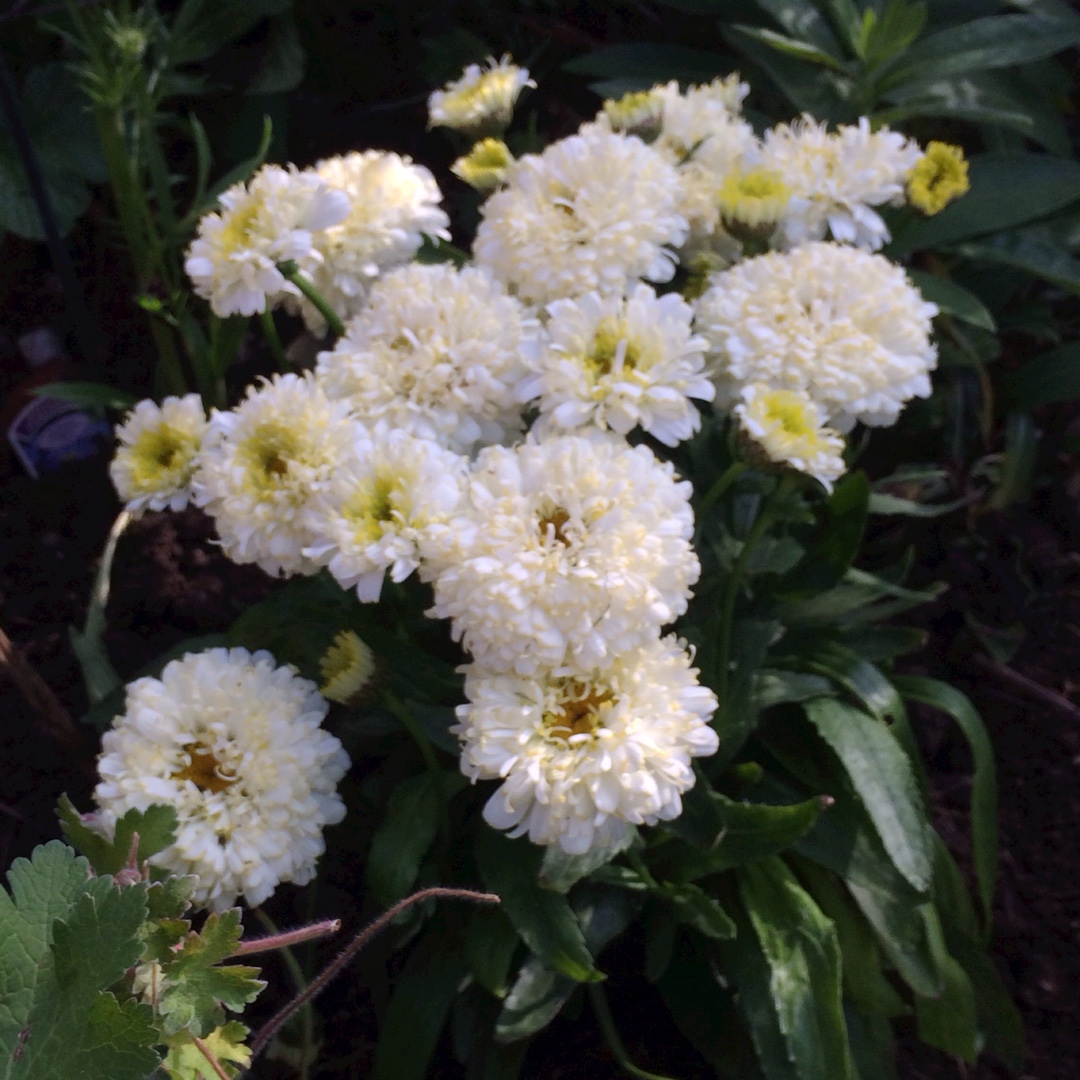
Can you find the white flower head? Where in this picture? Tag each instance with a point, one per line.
(790, 430)
(836, 178)
(482, 101)
(437, 352)
(233, 744)
(233, 260)
(394, 204)
(593, 212)
(377, 514)
(262, 462)
(155, 461)
(619, 363)
(583, 755)
(566, 551)
(697, 113)
(843, 325)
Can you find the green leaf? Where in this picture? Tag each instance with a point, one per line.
(490, 944)
(803, 956)
(775, 687)
(560, 871)
(1006, 190)
(418, 1008)
(282, 67)
(156, 826)
(881, 775)
(650, 61)
(799, 50)
(511, 869)
(803, 21)
(1052, 377)
(738, 714)
(855, 602)
(1031, 250)
(65, 938)
(726, 833)
(196, 986)
(201, 27)
(539, 991)
(185, 1061)
(95, 395)
(939, 695)
(698, 909)
(406, 832)
(859, 676)
(953, 299)
(949, 1021)
(983, 44)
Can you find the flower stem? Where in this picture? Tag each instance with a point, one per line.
(712, 496)
(266, 317)
(599, 1002)
(209, 1055)
(307, 1017)
(345, 957)
(291, 272)
(286, 939)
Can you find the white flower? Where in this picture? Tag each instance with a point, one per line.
(617, 364)
(569, 550)
(234, 745)
(696, 114)
(843, 325)
(376, 514)
(232, 262)
(593, 212)
(155, 462)
(482, 100)
(836, 178)
(585, 754)
(790, 430)
(394, 204)
(437, 352)
(264, 461)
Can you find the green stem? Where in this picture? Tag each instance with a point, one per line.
(712, 496)
(307, 1011)
(638, 863)
(266, 317)
(291, 272)
(599, 1002)
(726, 611)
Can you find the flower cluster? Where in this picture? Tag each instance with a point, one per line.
(471, 424)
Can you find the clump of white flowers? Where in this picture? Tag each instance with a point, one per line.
(233, 261)
(155, 463)
(843, 325)
(234, 745)
(482, 101)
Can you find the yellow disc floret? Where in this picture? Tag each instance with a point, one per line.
(755, 198)
(939, 176)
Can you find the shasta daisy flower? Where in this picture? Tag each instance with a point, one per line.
(233, 260)
(583, 755)
(262, 462)
(593, 212)
(789, 429)
(836, 178)
(155, 462)
(618, 364)
(843, 325)
(565, 551)
(482, 101)
(234, 745)
(437, 352)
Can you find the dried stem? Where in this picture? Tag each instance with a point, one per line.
(209, 1055)
(346, 956)
(288, 938)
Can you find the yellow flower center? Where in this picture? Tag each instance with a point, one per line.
(374, 506)
(267, 453)
(552, 522)
(611, 333)
(581, 710)
(938, 177)
(757, 197)
(791, 414)
(160, 450)
(204, 770)
(237, 225)
(346, 668)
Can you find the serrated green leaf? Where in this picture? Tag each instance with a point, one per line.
(693, 906)
(197, 988)
(511, 869)
(1006, 190)
(800, 947)
(418, 1007)
(881, 774)
(775, 687)
(953, 299)
(169, 899)
(939, 695)
(185, 1061)
(65, 938)
(156, 826)
(949, 1021)
(407, 831)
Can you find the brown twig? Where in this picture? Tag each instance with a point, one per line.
(209, 1055)
(345, 957)
(56, 720)
(1030, 687)
(287, 938)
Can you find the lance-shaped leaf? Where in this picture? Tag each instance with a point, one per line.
(65, 938)
(881, 774)
(545, 920)
(803, 956)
